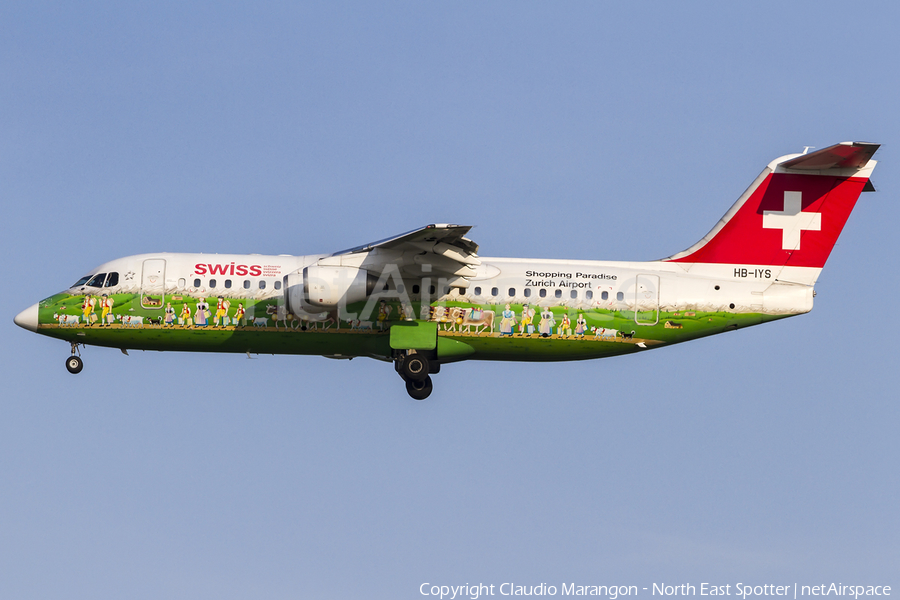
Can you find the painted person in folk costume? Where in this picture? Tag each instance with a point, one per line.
(185, 317)
(408, 313)
(383, 311)
(565, 327)
(580, 325)
(221, 312)
(525, 325)
(106, 304)
(87, 309)
(169, 321)
(547, 323)
(202, 313)
(507, 321)
(239, 315)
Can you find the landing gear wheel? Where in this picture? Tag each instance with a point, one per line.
(414, 368)
(74, 364)
(419, 390)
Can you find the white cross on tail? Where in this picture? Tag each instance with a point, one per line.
(791, 221)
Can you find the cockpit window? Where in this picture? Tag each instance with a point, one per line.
(97, 280)
(82, 281)
(112, 280)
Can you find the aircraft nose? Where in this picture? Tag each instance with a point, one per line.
(28, 318)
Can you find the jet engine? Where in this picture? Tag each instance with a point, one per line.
(317, 288)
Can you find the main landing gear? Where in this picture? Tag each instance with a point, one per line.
(415, 368)
(419, 390)
(74, 363)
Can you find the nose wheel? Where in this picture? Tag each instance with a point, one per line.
(74, 364)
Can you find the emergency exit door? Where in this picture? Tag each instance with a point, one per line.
(153, 283)
(646, 300)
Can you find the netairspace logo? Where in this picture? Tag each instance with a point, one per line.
(612, 592)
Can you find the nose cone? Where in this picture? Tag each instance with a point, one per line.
(28, 318)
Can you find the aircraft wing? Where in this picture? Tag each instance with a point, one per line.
(438, 250)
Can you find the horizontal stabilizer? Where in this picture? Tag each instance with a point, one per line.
(846, 155)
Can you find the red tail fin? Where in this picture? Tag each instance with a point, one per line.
(793, 213)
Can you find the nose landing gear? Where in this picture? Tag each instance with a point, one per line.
(74, 364)
(414, 368)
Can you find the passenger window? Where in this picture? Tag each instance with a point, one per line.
(477, 291)
(604, 296)
(400, 289)
(262, 284)
(416, 289)
(558, 293)
(246, 284)
(277, 284)
(181, 283)
(97, 280)
(495, 292)
(431, 290)
(528, 292)
(620, 296)
(212, 284)
(197, 283)
(543, 293)
(512, 292)
(112, 280)
(228, 284)
(573, 294)
(589, 295)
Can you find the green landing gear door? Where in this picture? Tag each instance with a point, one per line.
(414, 335)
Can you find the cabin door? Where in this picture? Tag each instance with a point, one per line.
(646, 300)
(153, 283)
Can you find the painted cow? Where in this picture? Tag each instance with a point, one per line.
(132, 321)
(477, 318)
(70, 320)
(455, 318)
(280, 313)
(602, 333)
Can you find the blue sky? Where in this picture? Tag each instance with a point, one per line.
(568, 130)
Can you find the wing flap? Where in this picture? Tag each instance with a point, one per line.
(434, 250)
(452, 235)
